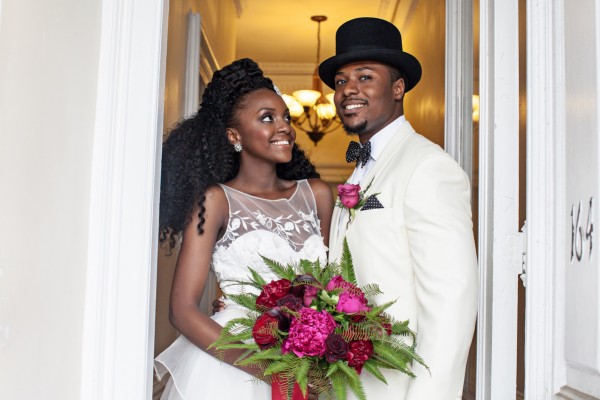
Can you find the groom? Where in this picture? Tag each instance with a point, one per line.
(414, 235)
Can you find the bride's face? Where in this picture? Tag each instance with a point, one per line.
(264, 127)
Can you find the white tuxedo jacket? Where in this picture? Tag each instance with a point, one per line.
(419, 249)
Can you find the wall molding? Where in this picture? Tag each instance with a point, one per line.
(208, 61)
(192, 65)
(567, 393)
(458, 130)
(118, 332)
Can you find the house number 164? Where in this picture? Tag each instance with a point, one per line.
(581, 235)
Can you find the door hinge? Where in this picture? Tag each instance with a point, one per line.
(523, 269)
(516, 254)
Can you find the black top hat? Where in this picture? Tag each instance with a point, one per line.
(370, 39)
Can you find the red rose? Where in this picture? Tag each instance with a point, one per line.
(388, 327)
(305, 287)
(349, 194)
(263, 330)
(359, 351)
(290, 301)
(336, 348)
(272, 292)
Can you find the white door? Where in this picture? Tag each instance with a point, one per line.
(563, 300)
(500, 244)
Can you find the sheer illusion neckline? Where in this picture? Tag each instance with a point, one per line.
(262, 198)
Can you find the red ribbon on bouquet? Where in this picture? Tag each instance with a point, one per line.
(279, 390)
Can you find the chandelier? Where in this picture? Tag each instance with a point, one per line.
(311, 111)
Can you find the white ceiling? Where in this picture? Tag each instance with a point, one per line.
(282, 38)
(281, 31)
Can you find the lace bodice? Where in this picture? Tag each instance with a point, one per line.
(285, 230)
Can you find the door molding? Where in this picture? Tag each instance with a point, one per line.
(118, 332)
(545, 180)
(498, 200)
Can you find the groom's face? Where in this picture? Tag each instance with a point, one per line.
(366, 97)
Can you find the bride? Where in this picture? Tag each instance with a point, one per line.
(235, 187)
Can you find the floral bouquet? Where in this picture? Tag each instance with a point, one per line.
(315, 325)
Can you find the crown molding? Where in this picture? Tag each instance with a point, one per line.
(271, 68)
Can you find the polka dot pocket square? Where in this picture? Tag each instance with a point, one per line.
(371, 204)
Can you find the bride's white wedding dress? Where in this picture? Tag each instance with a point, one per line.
(285, 230)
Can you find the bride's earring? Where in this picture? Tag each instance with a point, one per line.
(237, 146)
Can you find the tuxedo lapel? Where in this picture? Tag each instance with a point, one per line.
(335, 241)
(388, 153)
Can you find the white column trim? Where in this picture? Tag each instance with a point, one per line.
(486, 202)
(192, 66)
(458, 132)
(545, 180)
(498, 196)
(118, 333)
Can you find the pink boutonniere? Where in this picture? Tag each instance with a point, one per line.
(351, 197)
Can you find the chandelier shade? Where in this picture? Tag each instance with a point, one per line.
(312, 112)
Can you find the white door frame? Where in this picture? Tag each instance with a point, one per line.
(499, 240)
(118, 334)
(545, 180)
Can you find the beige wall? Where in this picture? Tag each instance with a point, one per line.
(218, 19)
(425, 38)
(48, 78)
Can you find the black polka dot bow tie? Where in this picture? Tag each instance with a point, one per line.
(358, 153)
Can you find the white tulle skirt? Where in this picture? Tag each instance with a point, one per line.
(198, 375)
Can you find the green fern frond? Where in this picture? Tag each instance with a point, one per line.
(347, 265)
(276, 367)
(371, 290)
(246, 300)
(372, 367)
(234, 331)
(308, 267)
(272, 354)
(257, 279)
(340, 385)
(282, 271)
(302, 374)
(332, 368)
(380, 308)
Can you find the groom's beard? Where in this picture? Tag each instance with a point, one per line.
(356, 130)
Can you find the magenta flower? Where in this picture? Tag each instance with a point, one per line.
(352, 299)
(310, 292)
(337, 282)
(349, 194)
(352, 302)
(308, 333)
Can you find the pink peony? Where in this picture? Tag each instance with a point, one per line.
(349, 194)
(337, 282)
(352, 302)
(352, 299)
(308, 333)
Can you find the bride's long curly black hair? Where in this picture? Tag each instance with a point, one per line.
(197, 153)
